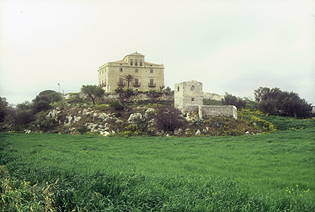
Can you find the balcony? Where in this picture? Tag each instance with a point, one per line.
(152, 85)
(136, 85)
(121, 84)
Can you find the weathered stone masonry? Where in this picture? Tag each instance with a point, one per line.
(188, 96)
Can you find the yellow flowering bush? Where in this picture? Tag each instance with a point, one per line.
(251, 117)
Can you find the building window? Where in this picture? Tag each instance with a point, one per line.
(136, 70)
(136, 84)
(136, 62)
(140, 62)
(121, 82)
(131, 62)
(177, 88)
(152, 84)
(192, 99)
(151, 70)
(121, 69)
(192, 88)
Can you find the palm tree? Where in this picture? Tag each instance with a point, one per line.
(161, 88)
(128, 78)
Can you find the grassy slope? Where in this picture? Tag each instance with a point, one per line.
(267, 166)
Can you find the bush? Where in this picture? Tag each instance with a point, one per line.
(45, 123)
(253, 119)
(82, 129)
(116, 105)
(128, 93)
(169, 118)
(238, 102)
(131, 130)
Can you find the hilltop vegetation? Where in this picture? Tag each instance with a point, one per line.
(93, 112)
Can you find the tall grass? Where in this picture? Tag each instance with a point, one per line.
(246, 173)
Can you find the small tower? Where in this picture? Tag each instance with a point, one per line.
(188, 95)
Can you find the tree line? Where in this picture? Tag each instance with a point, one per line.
(273, 101)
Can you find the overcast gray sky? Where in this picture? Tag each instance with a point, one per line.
(229, 46)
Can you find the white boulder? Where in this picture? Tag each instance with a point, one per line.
(135, 117)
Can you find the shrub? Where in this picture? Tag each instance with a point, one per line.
(253, 119)
(131, 130)
(128, 93)
(169, 118)
(238, 102)
(102, 107)
(45, 123)
(116, 105)
(199, 122)
(82, 129)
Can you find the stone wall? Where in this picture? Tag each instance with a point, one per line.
(188, 96)
(213, 111)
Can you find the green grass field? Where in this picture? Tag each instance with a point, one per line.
(270, 172)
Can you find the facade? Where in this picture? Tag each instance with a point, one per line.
(146, 76)
(188, 95)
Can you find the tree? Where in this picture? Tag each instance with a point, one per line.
(167, 90)
(44, 99)
(128, 78)
(238, 102)
(3, 107)
(92, 91)
(269, 100)
(161, 88)
(123, 94)
(49, 96)
(153, 94)
(25, 113)
(293, 105)
(169, 119)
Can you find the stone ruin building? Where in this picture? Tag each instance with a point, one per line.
(188, 96)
